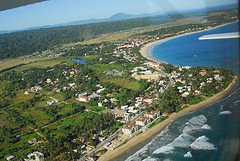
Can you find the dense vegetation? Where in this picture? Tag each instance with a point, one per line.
(171, 101)
(64, 129)
(28, 42)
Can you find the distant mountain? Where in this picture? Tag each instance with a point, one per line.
(115, 17)
(124, 16)
(120, 16)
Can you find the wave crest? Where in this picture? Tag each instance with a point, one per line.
(201, 143)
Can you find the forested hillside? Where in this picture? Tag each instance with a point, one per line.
(27, 42)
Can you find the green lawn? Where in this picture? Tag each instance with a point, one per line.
(124, 82)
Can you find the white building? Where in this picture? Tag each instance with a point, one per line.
(35, 156)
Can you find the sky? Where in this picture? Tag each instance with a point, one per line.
(62, 11)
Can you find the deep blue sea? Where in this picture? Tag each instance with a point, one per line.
(212, 133)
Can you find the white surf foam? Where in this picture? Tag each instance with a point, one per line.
(198, 120)
(138, 154)
(225, 112)
(236, 102)
(150, 159)
(185, 139)
(201, 143)
(167, 149)
(188, 155)
(206, 127)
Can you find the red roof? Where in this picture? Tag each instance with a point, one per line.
(119, 112)
(129, 126)
(84, 97)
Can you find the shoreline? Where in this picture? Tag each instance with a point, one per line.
(146, 49)
(157, 129)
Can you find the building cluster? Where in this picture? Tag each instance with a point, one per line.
(141, 121)
(86, 97)
(34, 156)
(33, 89)
(131, 43)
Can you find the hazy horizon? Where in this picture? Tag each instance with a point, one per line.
(61, 11)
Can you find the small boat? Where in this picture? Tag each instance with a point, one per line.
(195, 55)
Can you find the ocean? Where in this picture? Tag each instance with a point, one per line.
(209, 134)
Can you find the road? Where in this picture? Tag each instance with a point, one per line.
(111, 137)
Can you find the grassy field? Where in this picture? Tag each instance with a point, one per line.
(134, 85)
(100, 68)
(8, 63)
(48, 62)
(118, 36)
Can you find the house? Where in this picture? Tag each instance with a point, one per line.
(33, 141)
(130, 128)
(209, 80)
(52, 102)
(119, 113)
(83, 98)
(35, 156)
(101, 90)
(138, 104)
(153, 114)
(125, 107)
(100, 104)
(217, 77)
(148, 100)
(185, 94)
(109, 95)
(49, 80)
(143, 121)
(113, 100)
(10, 157)
(126, 117)
(132, 110)
(27, 91)
(94, 96)
(196, 92)
(203, 72)
(36, 89)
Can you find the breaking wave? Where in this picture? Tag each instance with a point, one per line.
(167, 149)
(138, 154)
(201, 143)
(225, 112)
(206, 127)
(185, 139)
(150, 159)
(188, 155)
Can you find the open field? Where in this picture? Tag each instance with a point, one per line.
(126, 34)
(134, 85)
(45, 62)
(23, 63)
(147, 76)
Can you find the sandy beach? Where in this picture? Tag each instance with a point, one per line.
(111, 154)
(146, 49)
(146, 52)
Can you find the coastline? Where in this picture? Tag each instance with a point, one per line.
(146, 49)
(111, 154)
(136, 140)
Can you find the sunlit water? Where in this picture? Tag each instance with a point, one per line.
(211, 133)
